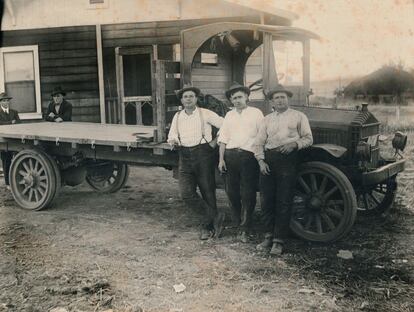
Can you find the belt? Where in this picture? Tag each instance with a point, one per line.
(192, 148)
(238, 150)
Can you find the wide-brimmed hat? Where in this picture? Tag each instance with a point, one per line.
(236, 87)
(4, 96)
(187, 87)
(277, 89)
(58, 90)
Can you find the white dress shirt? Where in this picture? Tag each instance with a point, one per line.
(278, 129)
(6, 110)
(239, 130)
(188, 130)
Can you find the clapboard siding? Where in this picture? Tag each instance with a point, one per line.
(68, 70)
(67, 58)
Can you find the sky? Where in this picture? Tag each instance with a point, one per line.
(357, 36)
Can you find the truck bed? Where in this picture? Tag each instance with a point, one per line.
(83, 133)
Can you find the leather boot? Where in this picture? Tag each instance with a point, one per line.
(266, 244)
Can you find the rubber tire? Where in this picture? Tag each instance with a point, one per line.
(385, 205)
(119, 183)
(49, 167)
(348, 195)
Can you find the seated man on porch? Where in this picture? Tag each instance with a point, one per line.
(8, 116)
(59, 109)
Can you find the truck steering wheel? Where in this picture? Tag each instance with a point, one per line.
(257, 85)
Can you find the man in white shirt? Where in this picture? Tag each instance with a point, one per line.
(237, 159)
(191, 132)
(281, 134)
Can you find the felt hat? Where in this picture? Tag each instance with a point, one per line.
(187, 87)
(277, 89)
(58, 90)
(236, 87)
(4, 96)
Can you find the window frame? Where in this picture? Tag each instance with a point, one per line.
(38, 97)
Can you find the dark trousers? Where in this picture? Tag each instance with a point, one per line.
(196, 167)
(277, 192)
(241, 183)
(6, 159)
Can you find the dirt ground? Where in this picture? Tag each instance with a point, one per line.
(126, 251)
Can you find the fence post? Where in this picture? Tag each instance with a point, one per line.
(397, 113)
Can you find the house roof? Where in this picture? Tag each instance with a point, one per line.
(266, 6)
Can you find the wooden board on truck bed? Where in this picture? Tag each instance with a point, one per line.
(83, 133)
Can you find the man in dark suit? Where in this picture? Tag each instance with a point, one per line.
(8, 116)
(59, 109)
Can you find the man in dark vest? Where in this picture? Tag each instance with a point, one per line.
(8, 116)
(59, 109)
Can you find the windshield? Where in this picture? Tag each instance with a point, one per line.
(288, 65)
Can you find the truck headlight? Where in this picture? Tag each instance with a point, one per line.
(399, 141)
(363, 150)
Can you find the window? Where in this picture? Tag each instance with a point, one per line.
(19, 77)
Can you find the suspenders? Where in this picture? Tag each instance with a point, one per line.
(203, 130)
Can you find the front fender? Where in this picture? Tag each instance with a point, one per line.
(332, 149)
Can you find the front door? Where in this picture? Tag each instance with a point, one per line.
(134, 68)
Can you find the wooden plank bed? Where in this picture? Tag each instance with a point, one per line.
(84, 133)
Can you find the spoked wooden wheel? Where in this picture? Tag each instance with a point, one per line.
(378, 199)
(107, 177)
(34, 179)
(324, 206)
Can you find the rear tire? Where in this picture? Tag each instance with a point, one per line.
(107, 177)
(34, 179)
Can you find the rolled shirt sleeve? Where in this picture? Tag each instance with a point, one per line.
(260, 141)
(305, 133)
(173, 133)
(224, 135)
(213, 119)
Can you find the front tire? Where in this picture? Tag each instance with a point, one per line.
(324, 205)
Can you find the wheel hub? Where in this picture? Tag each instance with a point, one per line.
(315, 203)
(31, 180)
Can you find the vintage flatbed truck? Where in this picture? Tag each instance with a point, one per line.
(342, 173)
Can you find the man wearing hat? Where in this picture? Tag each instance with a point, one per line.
(8, 116)
(191, 132)
(59, 109)
(281, 134)
(237, 160)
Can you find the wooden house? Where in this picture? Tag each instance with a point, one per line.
(102, 51)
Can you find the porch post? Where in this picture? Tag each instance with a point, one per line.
(100, 73)
(306, 65)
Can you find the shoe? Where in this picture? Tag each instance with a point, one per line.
(205, 234)
(243, 237)
(219, 224)
(277, 249)
(266, 244)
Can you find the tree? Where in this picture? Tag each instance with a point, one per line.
(388, 80)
